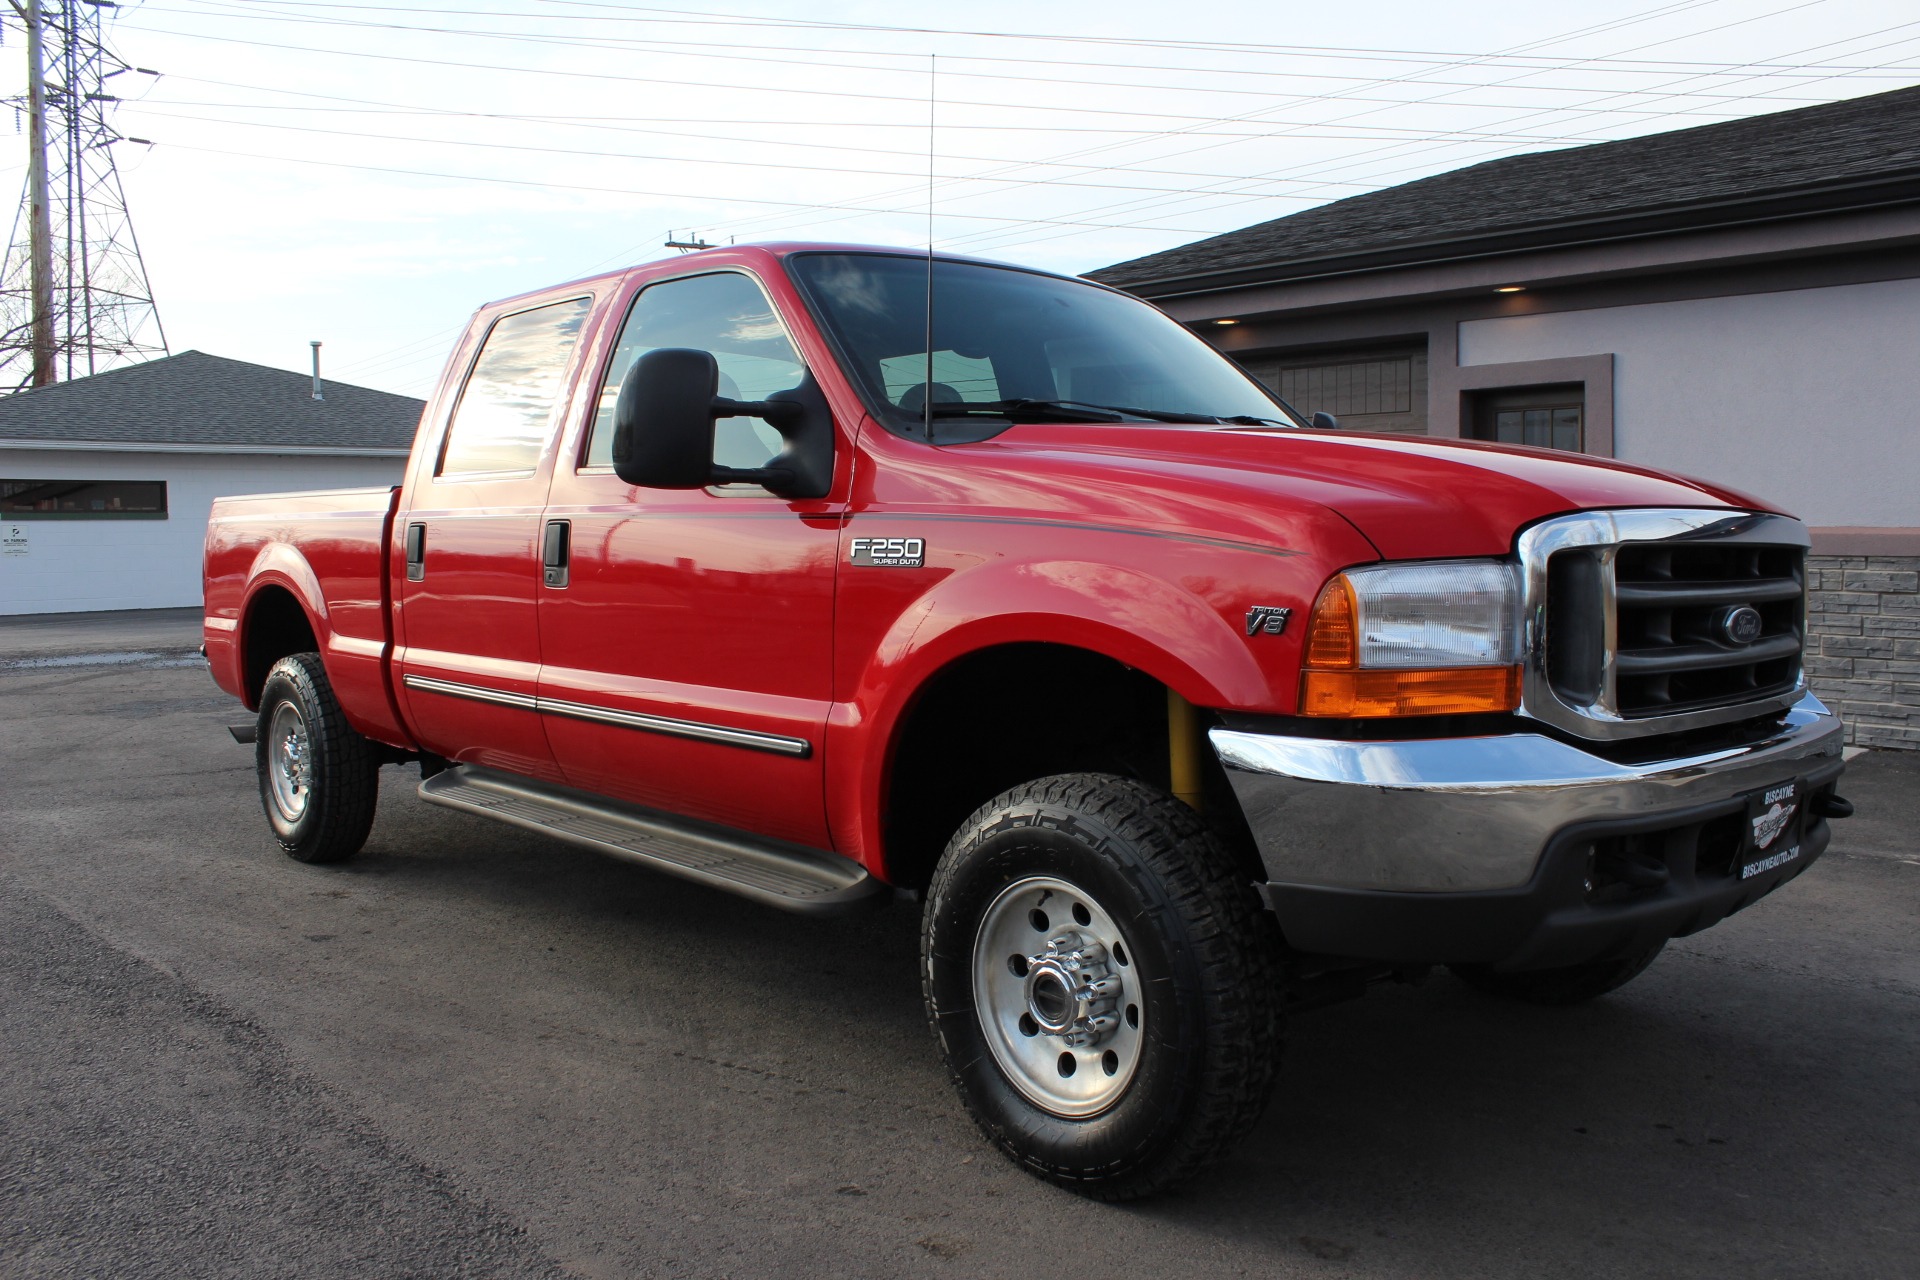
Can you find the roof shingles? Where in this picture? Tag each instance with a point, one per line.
(209, 402)
(1832, 144)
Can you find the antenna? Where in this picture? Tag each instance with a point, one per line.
(926, 391)
(689, 245)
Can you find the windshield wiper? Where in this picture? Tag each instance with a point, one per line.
(1053, 410)
(1067, 411)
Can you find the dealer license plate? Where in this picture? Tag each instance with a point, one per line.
(1774, 824)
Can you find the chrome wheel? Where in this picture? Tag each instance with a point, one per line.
(1057, 990)
(289, 762)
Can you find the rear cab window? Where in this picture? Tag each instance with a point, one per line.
(506, 409)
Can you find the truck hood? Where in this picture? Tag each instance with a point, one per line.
(1411, 498)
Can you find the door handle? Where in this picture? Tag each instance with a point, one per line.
(416, 552)
(554, 552)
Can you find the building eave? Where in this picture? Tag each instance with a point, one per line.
(1824, 200)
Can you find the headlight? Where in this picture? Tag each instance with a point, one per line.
(1414, 639)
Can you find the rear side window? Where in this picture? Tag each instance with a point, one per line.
(506, 408)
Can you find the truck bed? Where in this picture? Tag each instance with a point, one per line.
(327, 550)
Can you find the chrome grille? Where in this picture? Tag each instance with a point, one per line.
(1672, 651)
(1644, 622)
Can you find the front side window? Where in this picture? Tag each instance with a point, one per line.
(83, 499)
(1017, 345)
(506, 409)
(724, 313)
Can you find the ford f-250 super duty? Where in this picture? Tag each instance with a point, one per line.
(1176, 712)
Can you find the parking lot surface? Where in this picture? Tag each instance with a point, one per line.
(475, 1052)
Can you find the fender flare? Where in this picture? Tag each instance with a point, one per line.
(1147, 623)
(280, 565)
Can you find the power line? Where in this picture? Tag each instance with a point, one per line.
(1241, 195)
(693, 17)
(619, 191)
(733, 52)
(1162, 208)
(1648, 15)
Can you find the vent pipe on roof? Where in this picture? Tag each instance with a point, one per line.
(316, 372)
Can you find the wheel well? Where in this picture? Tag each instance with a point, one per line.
(274, 627)
(1008, 715)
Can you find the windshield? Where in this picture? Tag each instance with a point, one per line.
(1012, 344)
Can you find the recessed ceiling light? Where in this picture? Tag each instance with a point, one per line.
(1226, 322)
(1511, 288)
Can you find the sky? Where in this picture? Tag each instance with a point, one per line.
(367, 174)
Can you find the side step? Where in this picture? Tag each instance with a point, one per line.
(788, 876)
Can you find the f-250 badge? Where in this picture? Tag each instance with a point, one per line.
(1267, 620)
(889, 553)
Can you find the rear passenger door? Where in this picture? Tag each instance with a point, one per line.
(467, 651)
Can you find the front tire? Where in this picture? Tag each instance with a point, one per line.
(319, 778)
(1102, 983)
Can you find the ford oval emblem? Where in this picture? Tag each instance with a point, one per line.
(1741, 625)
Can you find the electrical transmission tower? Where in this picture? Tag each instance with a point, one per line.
(74, 297)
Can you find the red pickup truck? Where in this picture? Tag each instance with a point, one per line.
(831, 576)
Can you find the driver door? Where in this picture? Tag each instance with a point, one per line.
(687, 649)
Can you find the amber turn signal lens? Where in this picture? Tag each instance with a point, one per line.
(1333, 639)
(1446, 691)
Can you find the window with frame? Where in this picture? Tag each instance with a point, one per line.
(724, 313)
(1549, 417)
(505, 412)
(83, 499)
(1371, 388)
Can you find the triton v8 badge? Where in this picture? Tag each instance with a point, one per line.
(1267, 620)
(890, 553)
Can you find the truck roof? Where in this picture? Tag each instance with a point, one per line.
(776, 249)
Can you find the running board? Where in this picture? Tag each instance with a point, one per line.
(788, 876)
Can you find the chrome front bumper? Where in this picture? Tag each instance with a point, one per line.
(1465, 815)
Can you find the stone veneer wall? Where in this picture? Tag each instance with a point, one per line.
(1863, 651)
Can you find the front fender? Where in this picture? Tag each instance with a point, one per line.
(1148, 623)
(1160, 627)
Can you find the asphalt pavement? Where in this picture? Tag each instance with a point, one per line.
(475, 1052)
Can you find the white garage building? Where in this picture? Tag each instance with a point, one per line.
(106, 482)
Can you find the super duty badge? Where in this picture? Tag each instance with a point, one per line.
(890, 553)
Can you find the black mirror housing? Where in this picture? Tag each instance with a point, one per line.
(1325, 421)
(663, 428)
(663, 420)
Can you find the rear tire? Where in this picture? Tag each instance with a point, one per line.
(1111, 911)
(319, 779)
(1574, 984)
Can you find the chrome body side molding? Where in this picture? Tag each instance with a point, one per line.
(773, 743)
